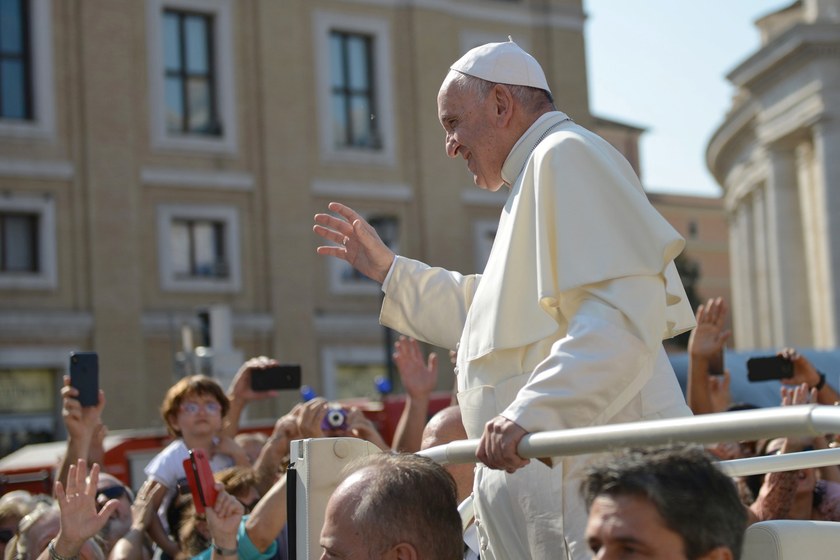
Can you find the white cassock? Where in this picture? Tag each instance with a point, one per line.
(563, 329)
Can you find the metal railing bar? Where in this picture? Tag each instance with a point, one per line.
(778, 463)
(802, 420)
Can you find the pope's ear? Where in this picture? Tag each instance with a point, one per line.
(502, 103)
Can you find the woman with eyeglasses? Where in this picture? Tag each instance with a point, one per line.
(194, 410)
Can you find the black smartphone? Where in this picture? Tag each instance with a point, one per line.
(84, 376)
(767, 368)
(276, 377)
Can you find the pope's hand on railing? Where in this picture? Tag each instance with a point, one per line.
(498, 445)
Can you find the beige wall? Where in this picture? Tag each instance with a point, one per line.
(98, 162)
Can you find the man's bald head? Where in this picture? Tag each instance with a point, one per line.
(444, 427)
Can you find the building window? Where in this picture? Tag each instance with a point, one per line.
(198, 248)
(351, 372)
(27, 242)
(693, 230)
(15, 62)
(352, 90)
(19, 242)
(345, 279)
(355, 95)
(189, 75)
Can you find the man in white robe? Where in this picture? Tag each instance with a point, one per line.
(565, 326)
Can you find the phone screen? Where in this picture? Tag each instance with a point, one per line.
(276, 377)
(768, 368)
(84, 376)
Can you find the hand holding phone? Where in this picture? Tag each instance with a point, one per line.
(768, 368)
(201, 481)
(84, 377)
(276, 377)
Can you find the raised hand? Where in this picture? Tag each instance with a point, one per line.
(803, 370)
(356, 241)
(358, 425)
(309, 417)
(81, 422)
(709, 337)
(240, 387)
(142, 508)
(419, 378)
(80, 519)
(223, 518)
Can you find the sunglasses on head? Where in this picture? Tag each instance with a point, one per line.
(112, 493)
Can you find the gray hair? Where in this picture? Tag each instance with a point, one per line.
(408, 498)
(533, 99)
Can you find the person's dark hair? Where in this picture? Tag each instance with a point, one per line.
(694, 498)
(408, 498)
(533, 99)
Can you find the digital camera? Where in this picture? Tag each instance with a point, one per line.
(336, 419)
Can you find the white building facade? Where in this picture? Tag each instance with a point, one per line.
(777, 157)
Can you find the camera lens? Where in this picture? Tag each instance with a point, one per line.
(335, 418)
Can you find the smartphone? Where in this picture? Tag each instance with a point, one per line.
(201, 481)
(276, 377)
(767, 368)
(84, 376)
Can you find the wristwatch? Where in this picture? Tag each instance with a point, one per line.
(821, 384)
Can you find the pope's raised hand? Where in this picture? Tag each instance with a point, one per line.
(356, 241)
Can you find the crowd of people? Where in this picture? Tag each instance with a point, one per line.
(639, 494)
(563, 329)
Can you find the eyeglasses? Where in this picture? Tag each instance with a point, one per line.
(194, 407)
(6, 535)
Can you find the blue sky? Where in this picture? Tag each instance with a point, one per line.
(661, 64)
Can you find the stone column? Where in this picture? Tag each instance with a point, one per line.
(740, 260)
(811, 201)
(762, 311)
(827, 157)
(786, 266)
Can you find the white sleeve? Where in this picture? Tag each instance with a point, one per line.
(427, 303)
(607, 356)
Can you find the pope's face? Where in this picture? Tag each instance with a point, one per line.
(629, 527)
(470, 133)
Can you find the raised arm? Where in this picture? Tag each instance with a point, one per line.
(240, 392)
(268, 517)
(705, 351)
(419, 378)
(356, 241)
(80, 518)
(805, 372)
(131, 546)
(81, 424)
